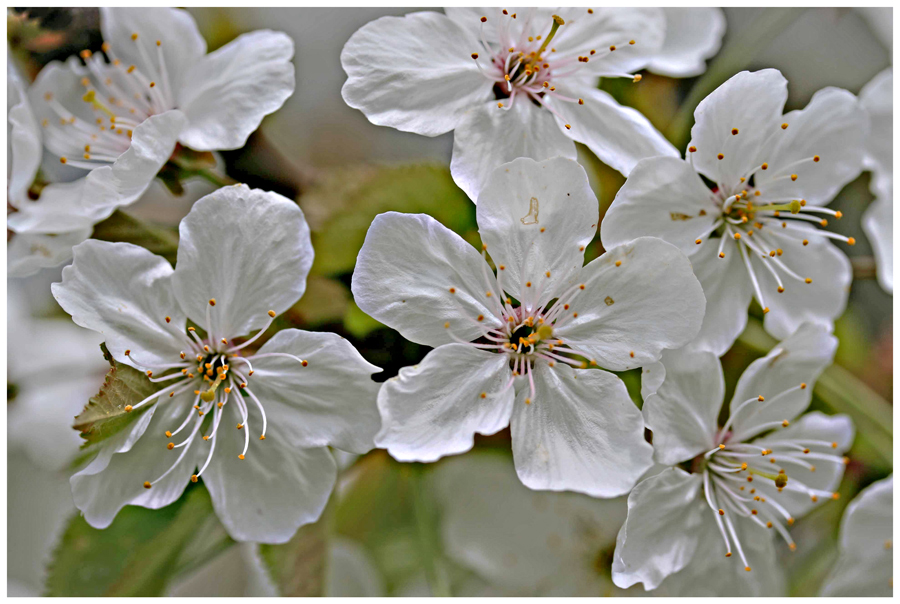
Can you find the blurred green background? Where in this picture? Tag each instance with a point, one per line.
(381, 533)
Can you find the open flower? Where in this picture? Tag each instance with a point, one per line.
(713, 513)
(877, 100)
(109, 121)
(510, 83)
(866, 561)
(523, 542)
(755, 230)
(243, 259)
(542, 323)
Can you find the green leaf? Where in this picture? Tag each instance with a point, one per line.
(139, 553)
(105, 415)
(121, 226)
(358, 323)
(298, 567)
(343, 203)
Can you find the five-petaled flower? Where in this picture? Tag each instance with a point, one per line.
(713, 513)
(243, 259)
(520, 83)
(754, 231)
(110, 120)
(542, 323)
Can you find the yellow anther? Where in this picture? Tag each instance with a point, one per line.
(734, 131)
(147, 485)
(720, 156)
(241, 457)
(784, 126)
(212, 301)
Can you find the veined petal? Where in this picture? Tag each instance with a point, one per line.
(683, 412)
(728, 292)
(831, 128)
(620, 136)
(821, 301)
(813, 426)
(417, 276)
(795, 361)
(692, 36)
(865, 565)
(329, 400)
(435, 408)
(228, 92)
(488, 136)
(710, 573)
(124, 292)
(663, 197)
(878, 223)
(877, 100)
(536, 219)
(116, 477)
(639, 298)
(23, 138)
(27, 253)
(659, 536)
(182, 46)
(749, 102)
(581, 432)
(249, 250)
(414, 73)
(274, 490)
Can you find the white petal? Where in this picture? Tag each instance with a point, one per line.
(835, 429)
(329, 401)
(489, 136)
(865, 565)
(274, 490)
(628, 314)
(584, 32)
(23, 138)
(413, 73)
(536, 219)
(728, 292)
(663, 197)
(795, 361)
(249, 250)
(435, 408)
(752, 103)
(580, 432)
(523, 540)
(27, 253)
(182, 45)
(404, 275)
(878, 223)
(683, 413)
(350, 571)
(124, 292)
(877, 100)
(821, 301)
(229, 91)
(831, 127)
(116, 477)
(692, 36)
(620, 136)
(659, 536)
(710, 573)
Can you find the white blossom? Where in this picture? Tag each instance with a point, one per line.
(243, 259)
(540, 324)
(753, 231)
(730, 490)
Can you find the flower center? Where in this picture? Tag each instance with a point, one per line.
(214, 369)
(751, 217)
(744, 480)
(120, 98)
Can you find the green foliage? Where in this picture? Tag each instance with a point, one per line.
(298, 567)
(139, 553)
(343, 203)
(105, 415)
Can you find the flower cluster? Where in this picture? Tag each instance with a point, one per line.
(675, 495)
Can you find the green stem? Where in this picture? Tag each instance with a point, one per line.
(428, 546)
(220, 180)
(734, 57)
